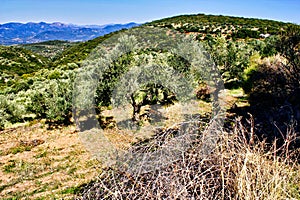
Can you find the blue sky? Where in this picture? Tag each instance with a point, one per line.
(123, 11)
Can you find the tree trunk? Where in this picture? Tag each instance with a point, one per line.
(136, 109)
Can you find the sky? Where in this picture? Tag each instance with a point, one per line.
(87, 12)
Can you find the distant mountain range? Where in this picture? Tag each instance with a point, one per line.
(19, 33)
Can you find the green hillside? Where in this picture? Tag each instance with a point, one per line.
(77, 53)
(18, 61)
(203, 26)
(48, 49)
(236, 27)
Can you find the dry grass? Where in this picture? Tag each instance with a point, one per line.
(37, 163)
(240, 167)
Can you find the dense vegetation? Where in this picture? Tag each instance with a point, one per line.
(18, 61)
(49, 49)
(232, 27)
(239, 61)
(261, 57)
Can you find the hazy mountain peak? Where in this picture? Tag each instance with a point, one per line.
(32, 32)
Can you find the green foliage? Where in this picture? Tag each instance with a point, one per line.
(18, 61)
(250, 71)
(52, 99)
(236, 27)
(54, 75)
(289, 47)
(12, 109)
(178, 63)
(71, 190)
(8, 168)
(270, 46)
(110, 79)
(4, 114)
(49, 49)
(46, 95)
(245, 33)
(232, 58)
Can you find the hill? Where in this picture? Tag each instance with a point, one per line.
(236, 27)
(78, 52)
(18, 33)
(203, 26)
(19, 61)
(49, 49)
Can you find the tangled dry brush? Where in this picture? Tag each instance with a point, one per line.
(240, 167)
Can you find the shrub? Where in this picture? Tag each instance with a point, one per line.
(245, 33)
(232, 58)
(289, 47)
(12, 109)
(52, 99)
(4, 115)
